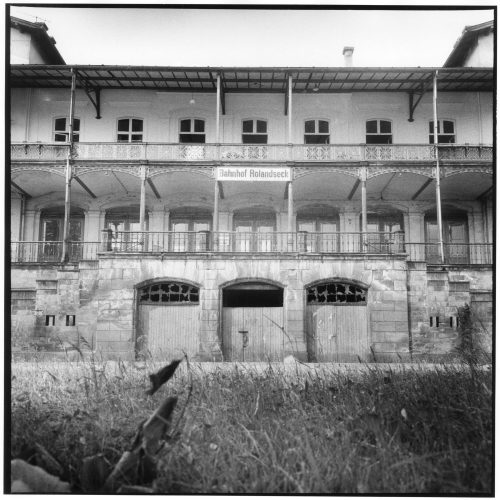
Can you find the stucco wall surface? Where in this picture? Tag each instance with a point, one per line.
(162, 112)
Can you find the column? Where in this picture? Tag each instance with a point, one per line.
(290, 229)
(67, 211)
(142, 214)
(215, 222)
(363, 207)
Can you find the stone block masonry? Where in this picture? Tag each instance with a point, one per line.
(117, 307)
(402, 299)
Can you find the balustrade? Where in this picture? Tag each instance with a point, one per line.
(246, 242)
(157, 152)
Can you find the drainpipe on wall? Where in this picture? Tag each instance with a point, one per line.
(69, 172)
(438, 171)
(28, 115)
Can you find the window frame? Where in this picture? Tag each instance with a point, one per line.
(130, 132)
(254, 132)
(316, 132)
(378, 133)
(442, 134)
(192, 132)
(65, 132)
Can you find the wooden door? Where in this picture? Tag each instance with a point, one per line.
(337, 333)
(169, 330)
(264, 337)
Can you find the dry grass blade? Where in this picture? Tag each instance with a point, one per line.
(162, 376)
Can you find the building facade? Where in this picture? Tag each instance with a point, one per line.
(250, 213)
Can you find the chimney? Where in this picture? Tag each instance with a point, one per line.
(347, 52)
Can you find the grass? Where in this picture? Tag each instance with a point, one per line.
(277, 429)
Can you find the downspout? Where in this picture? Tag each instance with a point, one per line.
(28, 115)
(438, 171)
(21, 222)
(69, 173)
(479, 117)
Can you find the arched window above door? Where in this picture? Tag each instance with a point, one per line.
(336, 292)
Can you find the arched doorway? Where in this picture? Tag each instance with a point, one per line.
(168, 319)
(51, 233)
(124, 222)
(385, 231)
(337, 321)
(318, 229)
(455, 236)
(252, 322)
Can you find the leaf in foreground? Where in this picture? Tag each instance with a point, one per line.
(162, 376)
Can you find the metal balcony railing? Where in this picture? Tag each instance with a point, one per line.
(454, 253)
(158, 152)
(252, 242)
(51, 251)
(261, 243)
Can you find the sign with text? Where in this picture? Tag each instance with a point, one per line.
(268, 174)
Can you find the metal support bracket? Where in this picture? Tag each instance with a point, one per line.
(95, 99)
(412, 105)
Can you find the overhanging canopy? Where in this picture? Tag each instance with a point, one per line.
(265, 80)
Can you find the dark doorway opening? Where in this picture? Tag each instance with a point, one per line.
(252, 298)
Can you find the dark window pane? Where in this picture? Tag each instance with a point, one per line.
(323, 127)
(60, 137)
(76, 137)
(51, 230)
(431, 127)
(192, 138)
(123, 125)
(254, 139)
(199, 126)
(76, 125)
(309, 127)
(371, 127)
(136, 125)
(449, 139)
(448, 127)
(122, 138)
(136, 137)
(379, 139)
(261, 126)
(385, 127)
(247, 126)
(317, 139)
(60, 124)
(185, 125)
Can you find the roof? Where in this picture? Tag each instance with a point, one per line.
(255, 80)
(39, 32)
(467, 39)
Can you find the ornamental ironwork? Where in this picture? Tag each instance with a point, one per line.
(169, 292)
(336, 293)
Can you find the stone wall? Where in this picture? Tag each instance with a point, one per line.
(434, 298)
(58, 315)
(119, 276)
(401, 300)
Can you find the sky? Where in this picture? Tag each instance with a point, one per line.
(254, 37)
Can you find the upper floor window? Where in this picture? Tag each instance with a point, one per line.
(254, 132)
(316, 132)
(446, 132)
(192, 130)
(130, 130)
(378, 132)
(61, 130)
